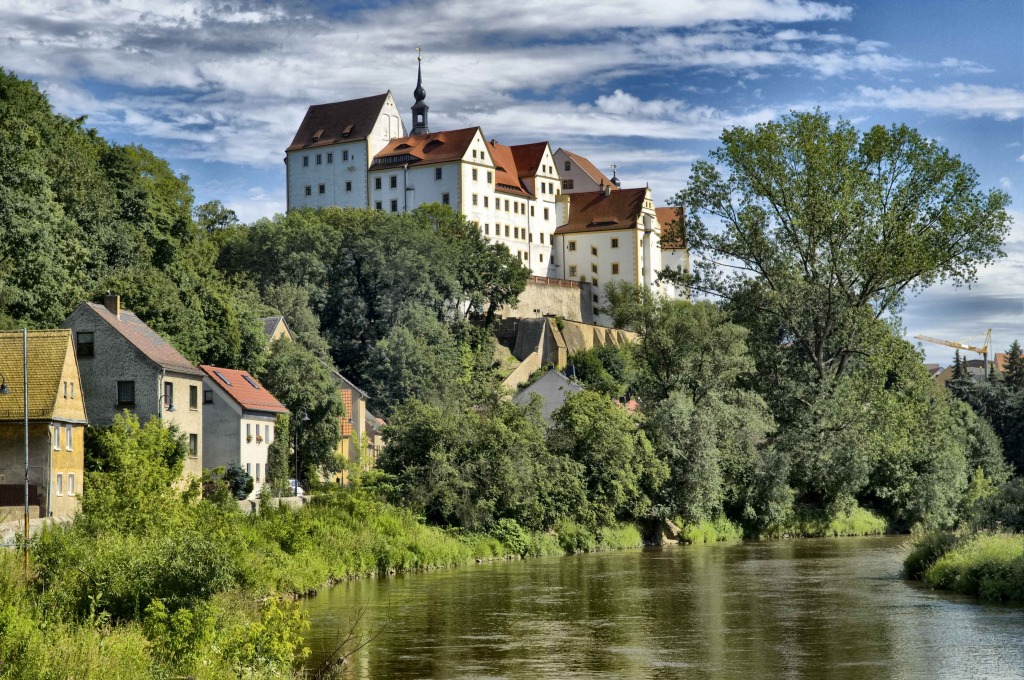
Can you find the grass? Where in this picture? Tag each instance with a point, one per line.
(807, 523)
(707, 531)
(989, 566)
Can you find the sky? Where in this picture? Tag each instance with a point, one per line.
(218, 88)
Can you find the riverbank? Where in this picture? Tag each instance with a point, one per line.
(987, 565)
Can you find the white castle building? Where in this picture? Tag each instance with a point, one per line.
(554, 210)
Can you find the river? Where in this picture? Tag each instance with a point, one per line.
(818, 608)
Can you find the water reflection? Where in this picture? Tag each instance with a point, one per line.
(785, 609)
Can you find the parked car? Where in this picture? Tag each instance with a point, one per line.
(294, 486)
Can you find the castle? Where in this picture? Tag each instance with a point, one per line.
(564, 219)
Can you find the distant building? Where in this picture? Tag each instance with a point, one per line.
(357, 154)
(238, 422)
(56, 430)
(127, 366)
(275, 328)
(354, 441)
(553, 388)
(675, 253)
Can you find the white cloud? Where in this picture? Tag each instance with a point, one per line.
(960, 99)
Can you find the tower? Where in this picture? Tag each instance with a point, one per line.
(419, 109)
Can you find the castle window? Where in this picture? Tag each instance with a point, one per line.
(319, 159)
(541, 256)
(445, 199)
(595, 298)
(568, 166)
(394, 205)
(572, 271)
(506, 205)
(487, 229)
(593, 280)
(378, 205)
(615, 267)
(394, 181)
(542, 238)
(593, 268)
(543, 188)
(506, 231)
(515, 208)
(593, 250)
(348, 186)
(572, 245)
(437, 173)
(330, 157)
(344, 155)
(489, 176)
(305, 161)
(531, 211)
(474, 174)
(485, 201)
(322, 188)
(567, 184)
(376, 183)
(546, 213)
(474, 198)
(615, 243)
(309, 190)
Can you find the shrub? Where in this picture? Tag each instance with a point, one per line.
(515, 539)
(990, 566)
(719, 529)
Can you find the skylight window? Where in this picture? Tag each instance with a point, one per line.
(250, 381)
(222, 378)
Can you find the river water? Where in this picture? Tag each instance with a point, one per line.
(819, 608)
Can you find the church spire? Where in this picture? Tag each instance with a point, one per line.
(419, 109)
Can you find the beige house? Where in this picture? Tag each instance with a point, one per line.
(275, 328)
(354, 447)
(56, 425)
(127, 366)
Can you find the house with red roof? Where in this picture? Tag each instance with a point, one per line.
(127, 366)
(238, 422)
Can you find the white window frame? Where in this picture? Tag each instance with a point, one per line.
(60, 484)
(71, 483)
(68, 442)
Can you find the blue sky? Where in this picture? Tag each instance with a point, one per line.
(218, 87)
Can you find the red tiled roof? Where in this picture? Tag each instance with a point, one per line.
(589, 168)
(250, 395)
(506, 176)
(436, 147)
(593, 211)
(528, 157)
(338, 122)
(673, 232)
(146, 340)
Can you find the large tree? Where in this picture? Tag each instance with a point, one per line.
(836, 226)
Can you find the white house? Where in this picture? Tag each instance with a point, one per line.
(580, 175)
(675, 254)
(238, 422)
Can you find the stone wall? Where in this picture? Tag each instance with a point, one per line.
(555, 297)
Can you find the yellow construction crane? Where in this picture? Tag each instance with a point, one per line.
(983, 350)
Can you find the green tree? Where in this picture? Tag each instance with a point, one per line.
(304, 385)
(1013, 372)
(622, 472)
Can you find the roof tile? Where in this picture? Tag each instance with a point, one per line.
(347, 121)
(146, 340)
(251, 396)
(593, 211)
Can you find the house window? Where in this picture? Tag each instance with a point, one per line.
(474, 199)
(193, 445)
(394, 181)
(506, 205)
(485, 201)
(531, 211)
(474, 174)
(330, 157)
(489, 176)
(437, 173)
(270, 433)
(248, 469)
(593, 280)
(593, 250)
(84, 344)
(344, 155)
(56, 437)
(568, 166)
(615, 243)
(531, 238)
(125, 392)
(193, 397)
(542, 238)
(377, 183)
(515, 208)
(169, 395)
(67, 438)
(72, 390)
(71, 483)
(572, 245)
(543, 188)
(487, 229)
(257, 472)
(595, 298)
(309, 190)
(394, 205)
(567, 184)
(322, 188)
(593, 268)
(615, 267)
(305, 161)
(378, 205)
(248, 431)
(259, 431)
(207, 396)
(546, 213)
(319, 159)
(60, 484)
(348, 186)
(572, 271)
(506, 231)
(65, 389)
(445, 199)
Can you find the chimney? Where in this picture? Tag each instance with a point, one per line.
(113, 304)
(606, 188)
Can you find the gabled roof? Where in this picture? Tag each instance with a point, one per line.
(270, 324)
(345, 382)
(47, 352)
(589, 168)
(244, 389)
(146, 340)
(593, 211)
(338, 122)
(528, 158)
(673, 232)
(436, 147)
(506, 175)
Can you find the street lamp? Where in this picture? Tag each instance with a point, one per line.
(295, 451)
